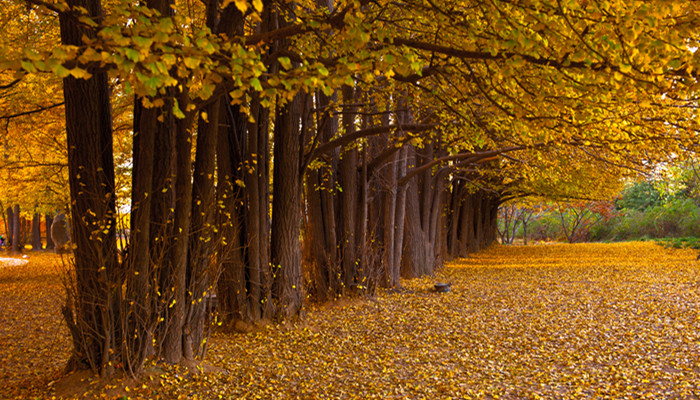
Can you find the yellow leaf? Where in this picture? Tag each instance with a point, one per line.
(80, 73)
(241, 5)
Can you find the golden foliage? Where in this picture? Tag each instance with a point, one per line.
(550, 321)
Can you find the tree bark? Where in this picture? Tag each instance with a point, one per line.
(285, 253)
(138, 263)
(4, 220)
(10, 227)
(176, 282)
(232, 286)
(36, 232)
(400, 218)
(48, 221)
(257, 180)
(348, 180)
(91, 177)
(16, 230)
(389, 262)
(321, 229)
(202, 268)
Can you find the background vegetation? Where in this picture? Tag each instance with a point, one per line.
(663, 206)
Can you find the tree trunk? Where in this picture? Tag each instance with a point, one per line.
(455, 217)
(525, 233)
(25, 232)
(400, 218)
(364, 273)
(36, 232)
(202, 267)
(244, 288)
(48, 221)
(321, 242)
(138, 263)
(414, 255)
(17, 243)
(10, 228)
(348, 199)
(257, 180)
(390, 211)
(232, 286)
(176, 281)
(4, 220)
(89, 312)
(422, 253)
(286, 212)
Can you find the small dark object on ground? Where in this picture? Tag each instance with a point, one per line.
(442, 287)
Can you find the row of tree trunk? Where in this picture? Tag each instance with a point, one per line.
(21, 230)
(230, 218)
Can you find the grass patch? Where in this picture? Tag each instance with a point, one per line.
(688, 242)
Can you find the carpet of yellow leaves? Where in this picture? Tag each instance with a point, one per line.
(34, 343)
(552, 321)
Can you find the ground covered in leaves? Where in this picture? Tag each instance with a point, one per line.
(549, 321)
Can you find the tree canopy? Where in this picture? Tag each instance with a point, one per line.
(607, 81)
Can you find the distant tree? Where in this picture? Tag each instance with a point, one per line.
(36, 232)
(509, 220)
(528, 214)
(578, 217)
(639, 195)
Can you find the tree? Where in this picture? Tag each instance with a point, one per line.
(510, 217)
(639, 196)
(577, 218)
(528, 214)
(91, 317)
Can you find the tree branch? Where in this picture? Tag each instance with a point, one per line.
(473, 157)
(11, 84)
(349, 138)
(484, 55)
(38, 110)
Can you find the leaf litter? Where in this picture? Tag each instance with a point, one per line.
(520, 322)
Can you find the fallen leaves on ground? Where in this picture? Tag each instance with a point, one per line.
(34, 343)
(520, 322)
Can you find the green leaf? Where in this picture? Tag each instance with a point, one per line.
(60, 70)
(28, 66)
(132, 54)
(177, 112)
(255, 83)
(285, 62)
(142, 41)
